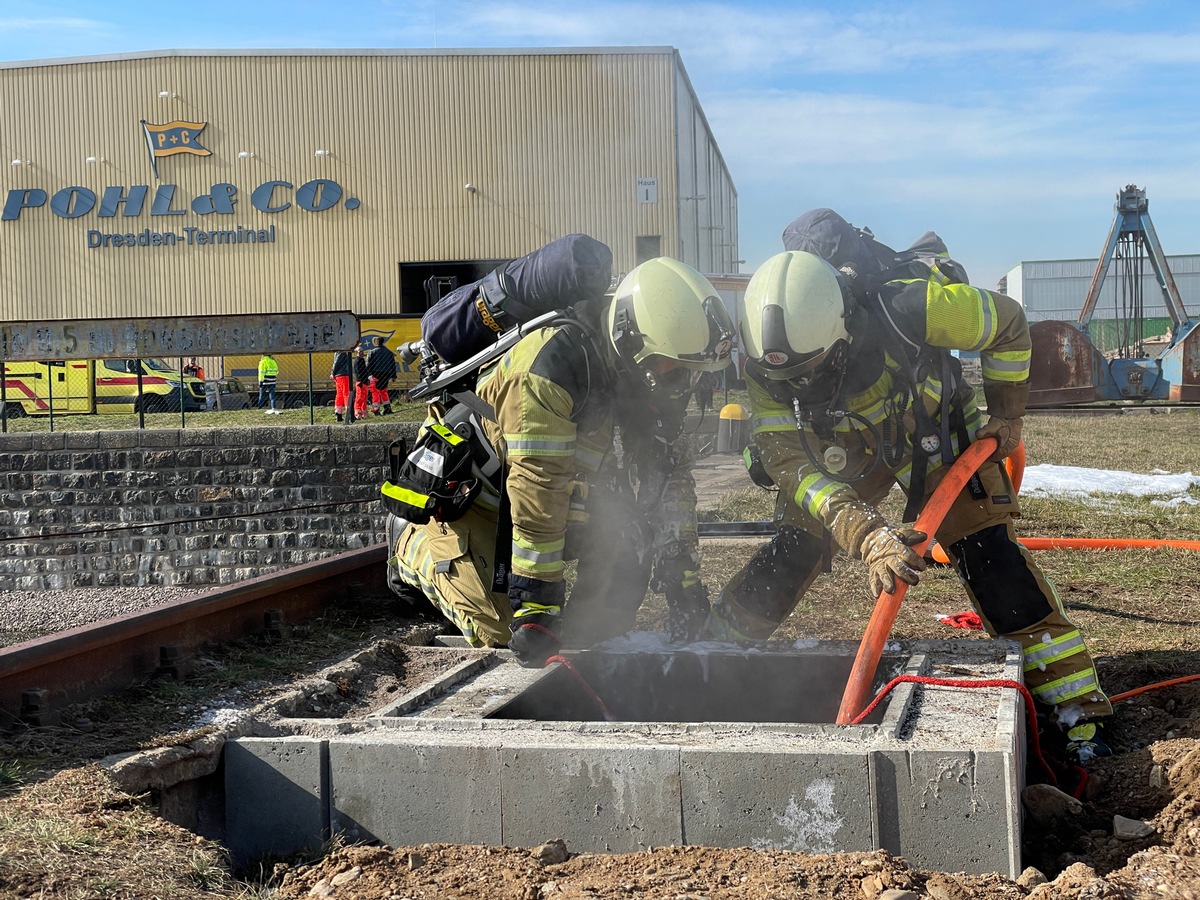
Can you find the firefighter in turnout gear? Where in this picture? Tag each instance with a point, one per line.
(853, 389)
(582, 427)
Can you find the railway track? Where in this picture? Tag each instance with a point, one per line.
(50, 672)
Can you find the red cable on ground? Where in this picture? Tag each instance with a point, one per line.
(1030, 711)
(587, 688)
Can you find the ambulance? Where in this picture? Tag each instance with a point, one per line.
(81, 386)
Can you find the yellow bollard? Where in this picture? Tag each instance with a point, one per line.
(733, 430)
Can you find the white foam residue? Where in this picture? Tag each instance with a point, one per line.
(218, 717)
(1067, 716)
(1176, 501)
(811, 827)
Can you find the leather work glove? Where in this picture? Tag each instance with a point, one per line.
(888, 553)
(687, 609)
(537, 607)
(851, 523)
(1007, 431)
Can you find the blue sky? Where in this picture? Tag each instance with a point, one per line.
(1007, 128)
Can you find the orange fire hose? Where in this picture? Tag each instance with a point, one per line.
(1016, 470)
(887, 605)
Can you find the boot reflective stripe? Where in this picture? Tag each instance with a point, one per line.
(543, 561)
(1077, 684)
(1044, 654)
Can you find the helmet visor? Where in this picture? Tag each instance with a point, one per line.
(716, 353)
(670, 381)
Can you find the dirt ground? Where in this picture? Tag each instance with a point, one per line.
(78, 821)
(1134, 831)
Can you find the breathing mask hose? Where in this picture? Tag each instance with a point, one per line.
(836, 415)
(887, 605)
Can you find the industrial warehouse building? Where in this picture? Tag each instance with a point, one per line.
(1056, 290)
(204, 183)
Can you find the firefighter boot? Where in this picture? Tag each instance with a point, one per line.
(1085, 742)
(767, 589)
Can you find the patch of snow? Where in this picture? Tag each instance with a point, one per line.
(1075, 481)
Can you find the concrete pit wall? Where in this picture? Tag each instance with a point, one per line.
(207, 506)
(935, 776)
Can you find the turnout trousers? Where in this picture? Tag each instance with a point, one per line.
(453, 565)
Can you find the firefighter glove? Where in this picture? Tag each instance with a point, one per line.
(1006, 402)
(1006, 431)
(536, 607)
(687, 608)
(535, 636)
(851, 523)
(888, 553)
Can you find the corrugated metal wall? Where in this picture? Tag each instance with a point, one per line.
(553, 142)
(1056, 289)
(707, 198)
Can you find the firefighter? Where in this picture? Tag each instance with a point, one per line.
(853, 390)
(593, 465)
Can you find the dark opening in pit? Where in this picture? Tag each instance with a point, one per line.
(685, 686)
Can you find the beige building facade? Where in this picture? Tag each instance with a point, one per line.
(205, 183)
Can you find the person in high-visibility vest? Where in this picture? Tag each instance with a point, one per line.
(268, 372)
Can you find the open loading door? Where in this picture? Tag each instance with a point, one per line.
(1067, 368)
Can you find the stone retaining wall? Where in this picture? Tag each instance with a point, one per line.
(195, 506)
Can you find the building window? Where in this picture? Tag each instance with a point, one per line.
(649, 246)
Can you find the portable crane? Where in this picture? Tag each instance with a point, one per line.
(1067, 368)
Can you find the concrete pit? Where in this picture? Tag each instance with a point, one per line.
(713, 744)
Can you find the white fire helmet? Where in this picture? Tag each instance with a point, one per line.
(665, 310)
(796, 308)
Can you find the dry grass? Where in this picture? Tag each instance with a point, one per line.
(78, 836)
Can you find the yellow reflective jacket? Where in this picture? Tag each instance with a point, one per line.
(928, 314)
(555, 403)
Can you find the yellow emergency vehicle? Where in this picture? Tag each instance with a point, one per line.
(80, 386)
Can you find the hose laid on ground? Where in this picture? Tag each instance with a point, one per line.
(1016, 471)
(887, 605)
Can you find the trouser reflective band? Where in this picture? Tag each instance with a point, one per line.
(1070, 687)
(1043, 655)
